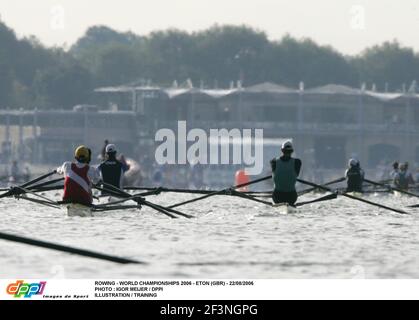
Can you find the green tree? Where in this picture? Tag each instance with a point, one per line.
(294, 60)
(168, 54)
(118, 65)
(227, 53)
(388, 63)
(63, 86)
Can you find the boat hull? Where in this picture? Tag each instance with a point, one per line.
(285, 209)
(78, 210)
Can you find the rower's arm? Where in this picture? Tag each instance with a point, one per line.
(64, 168)
(273, 165)
(94, 175)
(298, 165)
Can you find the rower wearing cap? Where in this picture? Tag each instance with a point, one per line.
(78, 178)
(112, 170)
(285, 171)
(403, 178)
(354, 176)
(395, 170)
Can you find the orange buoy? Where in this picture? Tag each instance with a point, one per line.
(242, 178)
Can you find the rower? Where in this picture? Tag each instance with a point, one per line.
(285, 171)
(403, 179)
(14, 172)
(78, 178)
(112, 170)
(395, 170)
(354, 176)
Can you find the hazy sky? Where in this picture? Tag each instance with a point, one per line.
(348, 25)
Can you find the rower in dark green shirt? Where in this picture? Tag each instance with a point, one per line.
(285, 171)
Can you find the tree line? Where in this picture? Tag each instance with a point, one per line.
(32, 75)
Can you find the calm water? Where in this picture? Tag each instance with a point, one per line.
(231, 238)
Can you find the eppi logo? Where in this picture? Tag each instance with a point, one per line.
(27, 290)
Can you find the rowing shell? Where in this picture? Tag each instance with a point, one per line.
(280, 209)
(355, 194)
(78, 210)
(285, 208)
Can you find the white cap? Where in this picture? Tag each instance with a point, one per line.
(110, 148)
(353, 162)
(287, 145)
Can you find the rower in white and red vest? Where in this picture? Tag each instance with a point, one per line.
(79, 176)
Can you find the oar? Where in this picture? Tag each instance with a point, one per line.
(121, 195)
(38, 179)
(12, 191)
(351, 197)
(325, 198)
(133, 197)
(35, 194)
(158, 190)
(248, 197)
(224, 191)
(47, 183)
(43, 202)
(112, 208)
(391, 188)
(58, 247)
(45, 189)
(147, 203)
(325, 184)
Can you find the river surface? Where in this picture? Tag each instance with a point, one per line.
(230, 238)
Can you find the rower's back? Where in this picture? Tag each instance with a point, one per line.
(401, 180)
(285, 171)
(354, 176)
(112, 171)
(355, 179)
(285, 174)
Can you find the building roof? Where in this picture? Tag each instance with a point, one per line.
(265, 87)
(383, 96)
(334, 89)
(125, 88)
(269, 87)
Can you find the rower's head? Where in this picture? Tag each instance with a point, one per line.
(82, 154)
(287, 148)
(111, 151)
(353, 163)
(403, 167)
(395, 165)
